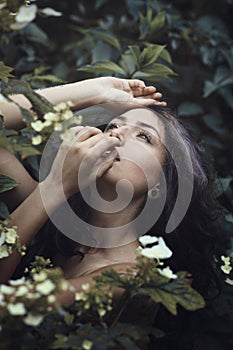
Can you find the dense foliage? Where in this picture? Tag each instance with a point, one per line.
(184, 48)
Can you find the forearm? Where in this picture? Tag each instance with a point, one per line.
(29, 217)
(80, 94)
(11, 166)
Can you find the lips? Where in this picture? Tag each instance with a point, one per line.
(113, 153)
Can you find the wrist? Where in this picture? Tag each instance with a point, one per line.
(52, 195)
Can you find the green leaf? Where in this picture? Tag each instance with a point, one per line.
(7, 183)
(135, 52)
(165, 55)
(69, 318)
(209, 88)
(35, 34)
(177, 291)
(5, 71)
(104, 66)
(187, 109)
(4, 212)
(26, 151)
(103, 35)
(158, 22)
(221, 185)
(150, 54)
(128, 64)
(156, 72)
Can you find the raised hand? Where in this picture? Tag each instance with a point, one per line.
(82, 151)
(110, 89)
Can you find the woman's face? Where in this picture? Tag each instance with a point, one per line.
(141, 153)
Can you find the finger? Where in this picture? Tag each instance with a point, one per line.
(149, 102)
(155, 96)
(109, 143)
(136, 83)
(87, 132)
(148, 90)
(103, 167)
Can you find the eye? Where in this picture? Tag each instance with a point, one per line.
(111, 126)
(145, 136)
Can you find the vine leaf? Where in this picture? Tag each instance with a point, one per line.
(5, 71)
(7, 183)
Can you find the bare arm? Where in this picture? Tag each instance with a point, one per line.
(30, 216)
(11, 166)
(84, 94)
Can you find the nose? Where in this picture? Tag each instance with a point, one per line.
(120, 132)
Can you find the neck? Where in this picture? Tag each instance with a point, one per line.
(113, 229)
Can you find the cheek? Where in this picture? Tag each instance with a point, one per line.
(143, 173)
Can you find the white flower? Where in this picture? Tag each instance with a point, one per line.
(86, 287)
(4, 251)
(64, 285)
(11, 236)
(36, 140)
(159, 251)
(101, 312)
(22, 290)
(6, 289)
(17, 282)
(87, 345)
(2, 238)
(225, 259)
(48, 11)
(167, 272)
(226, 269)
(60, 107)
(58, 127)
(67, 135)
(80, 296)
(26, 13)
(229, 281)
(33, 320)
(51, 299)
(16, 309)
(45, 287)
(38, 125)
(39, 277)
(54, 117)
(67, 115)
(33, 296)
(144, 240)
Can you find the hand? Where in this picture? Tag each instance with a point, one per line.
(83, 152)
(133, 91)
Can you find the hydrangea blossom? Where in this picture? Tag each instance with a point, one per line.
(17, 309)
(33, 320)
(158, 251)
(167, 272)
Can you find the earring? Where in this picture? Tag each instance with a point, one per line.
(153, 193)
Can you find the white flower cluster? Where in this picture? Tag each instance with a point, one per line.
(227, 268)
(31, 300)
(53, 121)
(9, 240)
(95, 298)
(158, 251)
(27, 13)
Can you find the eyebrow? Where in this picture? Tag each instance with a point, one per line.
(124, 119)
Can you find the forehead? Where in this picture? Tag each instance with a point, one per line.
(143, 117)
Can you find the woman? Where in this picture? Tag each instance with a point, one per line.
(149, 149)
(84, 93)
